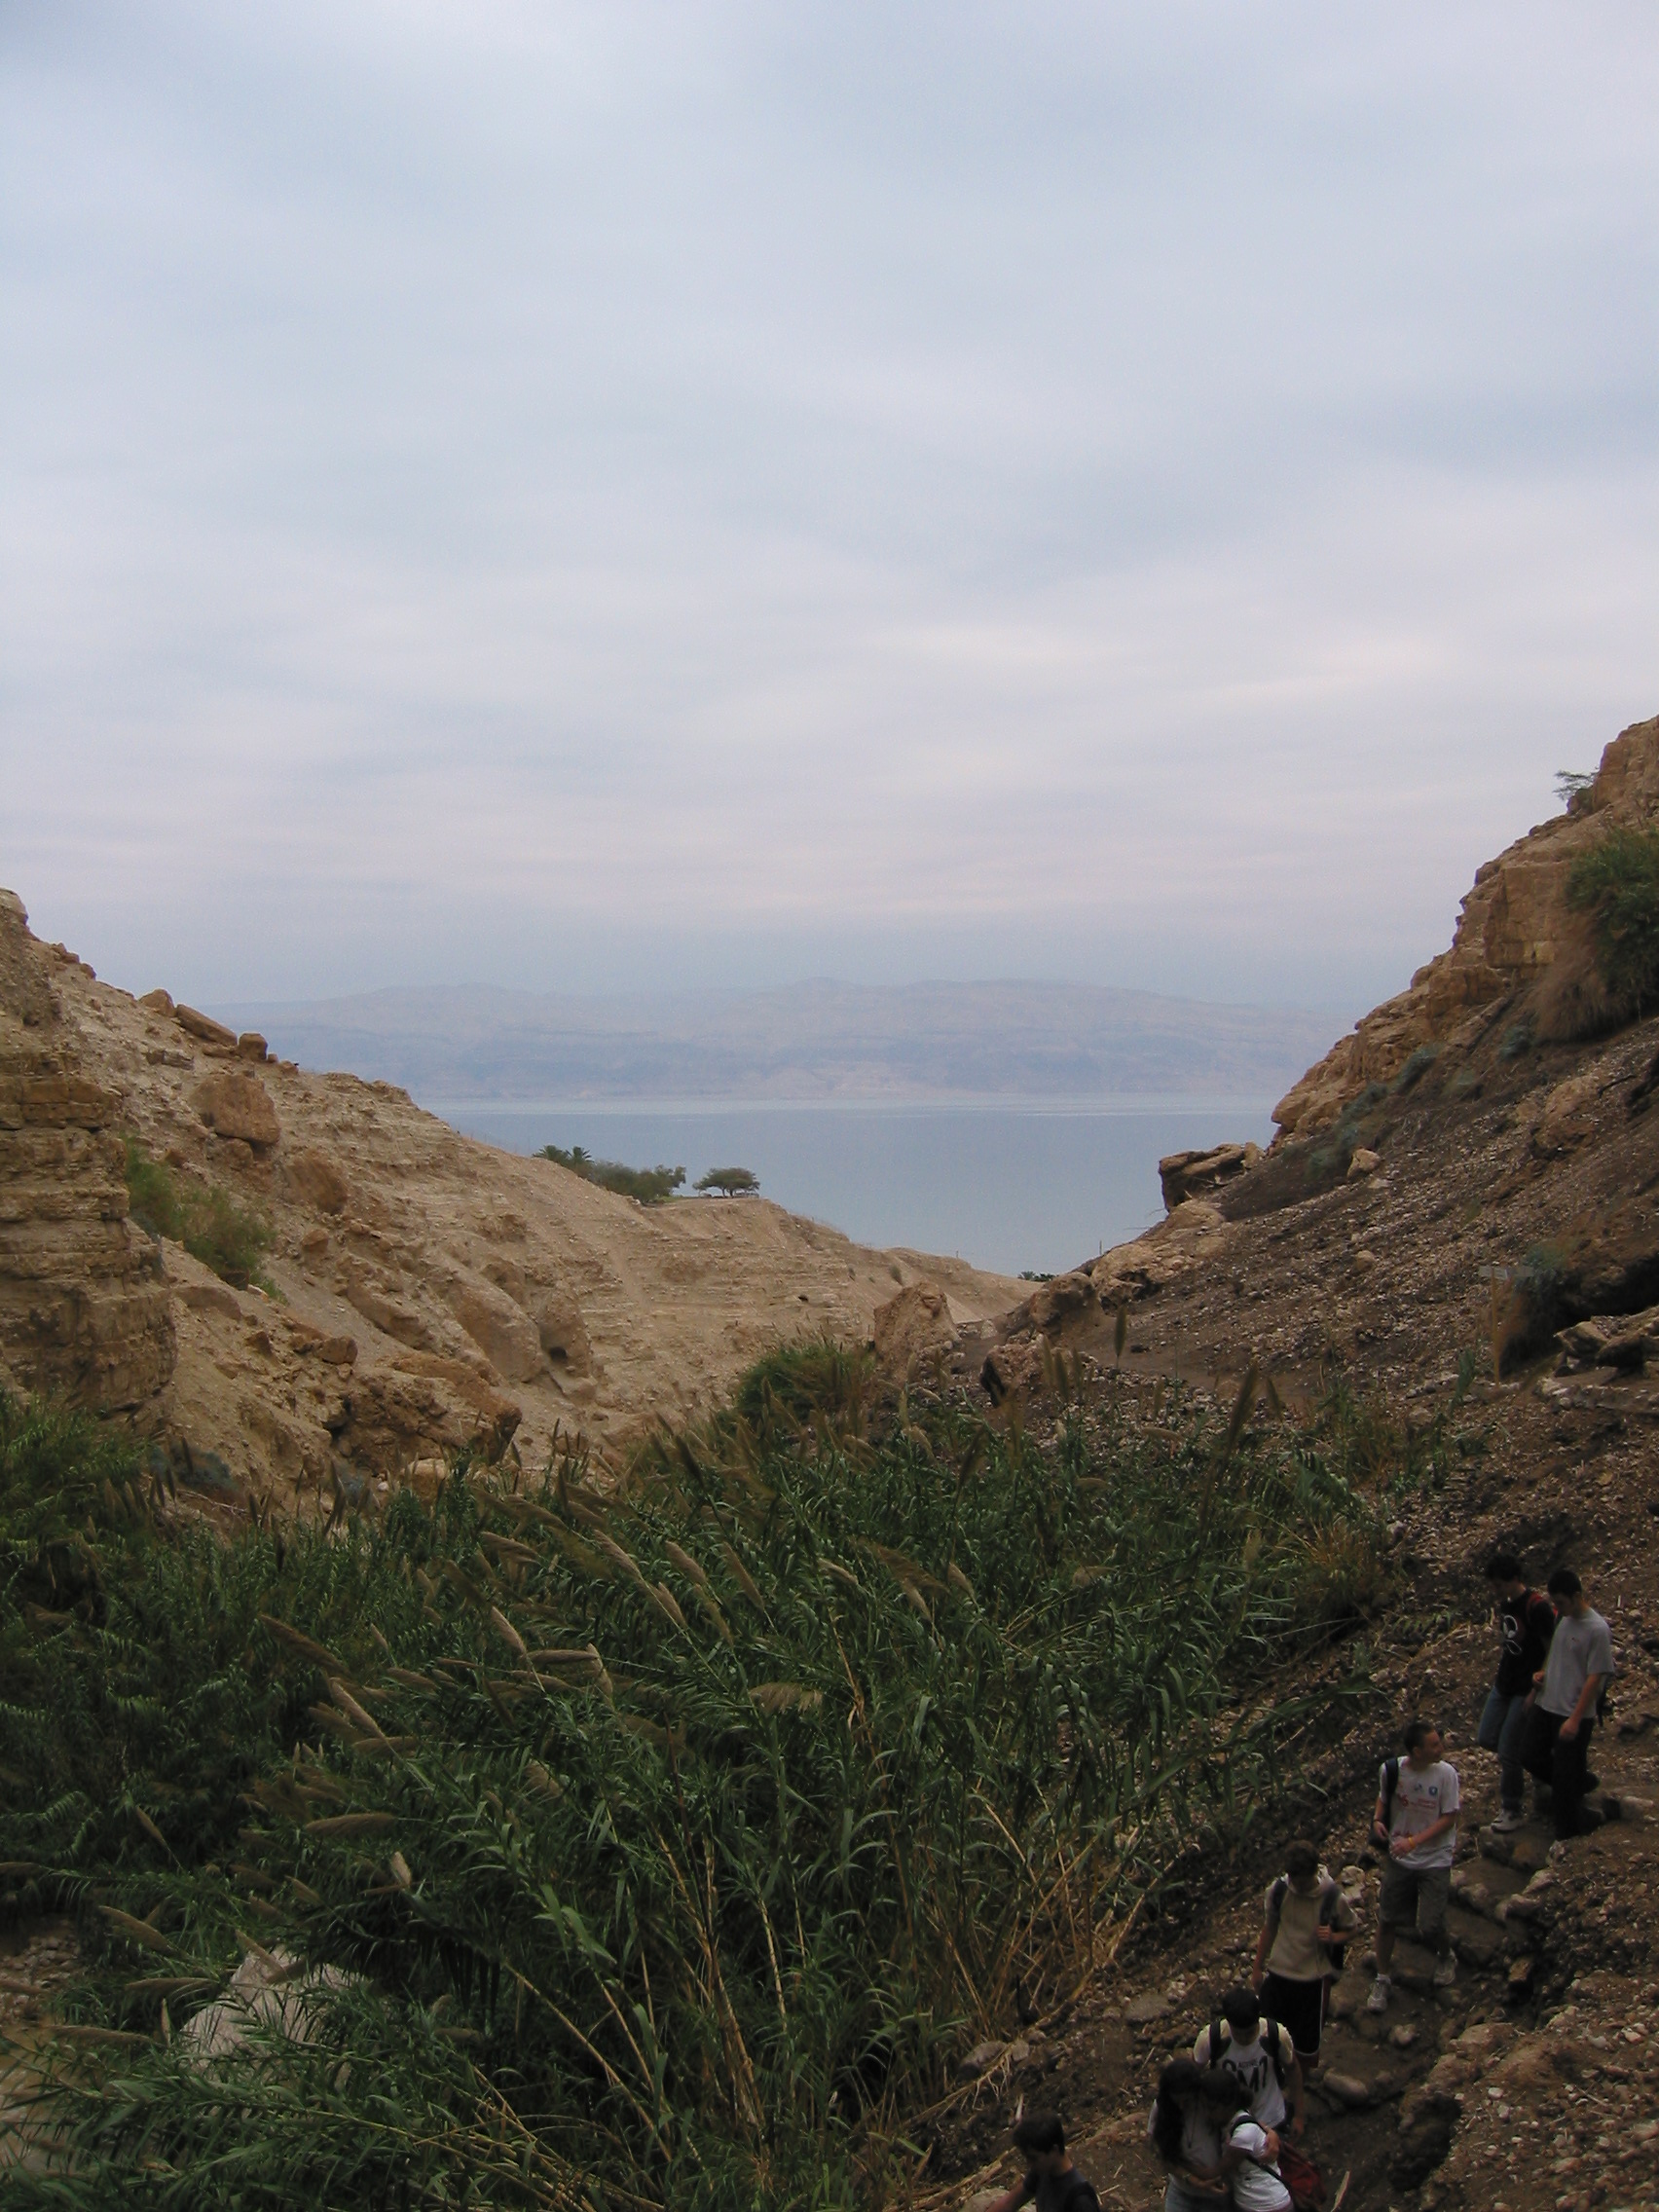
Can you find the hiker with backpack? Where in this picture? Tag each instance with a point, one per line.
(1565, 1703)
(1301, 1947)
(1195, 2106)
(1415, 1823)
(1525, 1624)
(1051, 2182)
(1261, 2057)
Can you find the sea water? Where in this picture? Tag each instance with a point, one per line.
(1009, 1184)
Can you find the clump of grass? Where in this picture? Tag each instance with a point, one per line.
(1328, 1161)
(229, 1238)
(1616, 883)
(1517, 1040)
(1416, 1068)
(676, 1838)
(651, 1186)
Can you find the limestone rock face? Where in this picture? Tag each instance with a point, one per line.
(1185, 1175)
(82, 1309)
(1514, 928)
(319, 1180)
(503, 1332)
(911, 1326)
(1191, 1238)
(237, 1105)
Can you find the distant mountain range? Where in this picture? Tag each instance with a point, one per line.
(811, 1041)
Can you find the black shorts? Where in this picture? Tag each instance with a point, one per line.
(1300, 2006)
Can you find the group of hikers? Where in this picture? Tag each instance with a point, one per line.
(1228, 2122)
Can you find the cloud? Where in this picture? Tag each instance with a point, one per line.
(622, 493)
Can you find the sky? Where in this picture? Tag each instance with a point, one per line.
(617, 497)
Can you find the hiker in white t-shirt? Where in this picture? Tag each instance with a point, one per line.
(1261, 2057)
(1415, 1822)
(1257, 2183)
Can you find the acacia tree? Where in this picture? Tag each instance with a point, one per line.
(730, 1182)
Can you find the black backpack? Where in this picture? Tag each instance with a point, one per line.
(1330, 1893)
(1391, 1783)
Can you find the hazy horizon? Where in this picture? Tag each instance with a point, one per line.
(602, 497)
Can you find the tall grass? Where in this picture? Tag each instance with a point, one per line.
(677, 1839)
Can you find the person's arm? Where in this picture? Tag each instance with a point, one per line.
(1380, 1822)
(1012, 2198)
(1402, 1846)
(1264, 1943)
(1585, 1706)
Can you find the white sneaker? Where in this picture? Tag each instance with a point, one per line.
(1378, 2001)
(1507, 1823)
(1446, 1972)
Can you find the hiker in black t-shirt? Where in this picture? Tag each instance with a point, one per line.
(1525, 1623)
(1051, 2182)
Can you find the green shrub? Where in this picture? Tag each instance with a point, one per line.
(231, 1239)
(152, 1195)
(1416, 1068)
(1616, 882)
(681, 1837)
(651, 1186)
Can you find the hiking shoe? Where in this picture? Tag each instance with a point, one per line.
(1446, 1971)
(1378, 2001)
(1508, 1821)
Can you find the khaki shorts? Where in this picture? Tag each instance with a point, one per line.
(1414, 1896)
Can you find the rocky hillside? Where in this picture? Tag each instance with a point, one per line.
(1458, 1220)
(420, 1291)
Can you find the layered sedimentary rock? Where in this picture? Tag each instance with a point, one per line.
(83, 1310)
(1516, 926)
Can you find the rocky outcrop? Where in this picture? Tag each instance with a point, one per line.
(1184, 1175)
(1183, 1243)
(1516, 932)
(236, 1105)
(911, 1328)
(81, 1307)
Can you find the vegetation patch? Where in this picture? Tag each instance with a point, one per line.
(229, 1238)
(651, 1186)
(667, 1845)
(1616, 883)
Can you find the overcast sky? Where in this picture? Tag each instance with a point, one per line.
(590, 496)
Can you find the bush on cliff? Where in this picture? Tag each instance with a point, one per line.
(1616, 883)
(651, 1186)
(231, 1239)
(673, 1840)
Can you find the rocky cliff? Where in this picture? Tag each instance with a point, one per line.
(82, 1309)
(1517, 938)
(420, 1291)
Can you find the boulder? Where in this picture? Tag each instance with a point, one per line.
(1052, 1303)
(235, 1105)
(911, 1327)
(1569, 1117)
(383, 1313)
(1185, 1175)
(317, 1178)
(251, 1046)
(1179, 1245)
(564, 1335)
(1363, 1162)
(157, 1002)
(388, 1416)
(205, 1028)
(1012, 1368)
(503, 1332)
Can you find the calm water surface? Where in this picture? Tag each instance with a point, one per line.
(1008, 1184)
